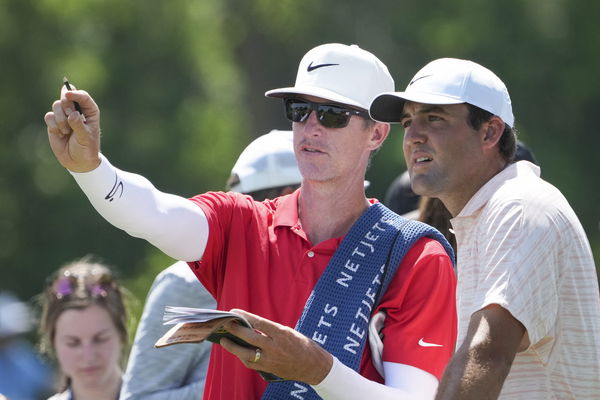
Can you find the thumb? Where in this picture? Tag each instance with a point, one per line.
(88, 106)
(259, 323)
(87, 126)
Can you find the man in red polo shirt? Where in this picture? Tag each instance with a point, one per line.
(267, 257)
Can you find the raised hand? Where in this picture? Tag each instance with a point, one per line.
(281, 350)
(75, 138)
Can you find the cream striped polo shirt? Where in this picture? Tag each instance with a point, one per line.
(521, 246)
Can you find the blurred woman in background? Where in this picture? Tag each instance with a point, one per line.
(84, 327)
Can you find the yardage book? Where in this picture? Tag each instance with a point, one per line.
(195, 325)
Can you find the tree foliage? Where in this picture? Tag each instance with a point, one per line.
(180, 85)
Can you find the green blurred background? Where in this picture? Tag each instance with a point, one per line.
(180, 85)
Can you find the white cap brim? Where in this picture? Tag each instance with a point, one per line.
(388, 107)
(313, 91)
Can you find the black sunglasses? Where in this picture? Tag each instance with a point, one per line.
(329, 115)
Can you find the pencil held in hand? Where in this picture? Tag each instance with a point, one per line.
(68, 86)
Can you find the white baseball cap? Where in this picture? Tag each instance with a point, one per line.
(340, 73)
(267, 162)
(448, 81)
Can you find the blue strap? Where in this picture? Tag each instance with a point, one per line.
(337, 312)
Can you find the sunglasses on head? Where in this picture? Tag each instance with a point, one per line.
(329, 115)
(94, 285)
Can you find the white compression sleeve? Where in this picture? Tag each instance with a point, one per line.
(130, 202)
(401, 382)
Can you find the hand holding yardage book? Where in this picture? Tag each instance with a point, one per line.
(194, 325)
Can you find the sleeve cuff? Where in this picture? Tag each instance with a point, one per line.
(97, 181)
(336, 377)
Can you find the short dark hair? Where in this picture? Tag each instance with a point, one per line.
(368, 123)
(508, 141)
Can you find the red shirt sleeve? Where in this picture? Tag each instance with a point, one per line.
(220, 209)
(420, 303)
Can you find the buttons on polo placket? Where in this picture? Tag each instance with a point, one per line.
(310, 254)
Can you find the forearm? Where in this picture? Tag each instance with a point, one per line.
(482, 363)
(130, 202)
(344, 383)
(471, 376)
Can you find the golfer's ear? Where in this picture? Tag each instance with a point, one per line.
(379, 133)
(493, 130)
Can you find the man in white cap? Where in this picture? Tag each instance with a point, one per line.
(527, 297)
(266, 168)
(323, 259)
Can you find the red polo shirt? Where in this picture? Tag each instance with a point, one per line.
(259, 259)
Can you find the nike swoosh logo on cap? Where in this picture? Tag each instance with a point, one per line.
(423, 343)
(312, 67)
(416, 79)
